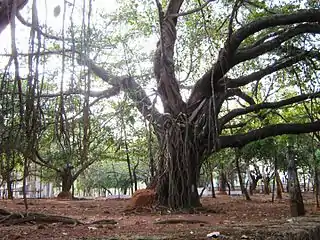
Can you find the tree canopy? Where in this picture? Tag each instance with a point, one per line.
(220, 74)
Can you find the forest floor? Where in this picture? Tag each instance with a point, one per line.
(220, 214)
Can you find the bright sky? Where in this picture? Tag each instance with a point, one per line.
(46, 16)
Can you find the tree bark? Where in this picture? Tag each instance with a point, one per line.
(296, 201)
(266, 183)
(316, 184)
(223, 182)
(9, 187)
(212, 185)
(243, 188)
(178, 171)
(254, 182)
(66, 179)
(279, 185)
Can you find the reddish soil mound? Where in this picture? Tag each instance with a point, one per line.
(142, 198)
(64, 196)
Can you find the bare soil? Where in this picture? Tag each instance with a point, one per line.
(220, 214)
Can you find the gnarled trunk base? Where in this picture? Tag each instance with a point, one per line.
(178, 170)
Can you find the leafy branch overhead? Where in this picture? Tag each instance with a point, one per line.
(216, 80)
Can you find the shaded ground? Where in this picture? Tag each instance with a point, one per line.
(229, 215)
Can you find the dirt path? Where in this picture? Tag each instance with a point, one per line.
(221, 213)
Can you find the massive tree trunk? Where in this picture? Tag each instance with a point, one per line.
(66, 179)
(178, 171)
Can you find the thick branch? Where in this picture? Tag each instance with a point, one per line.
(43, 162)
(312, 15)
(268, 105)
(206, 3)
(227, 57)
(168, 86)
(242, 81)
(240, 140)
(129, 85)
(110, 92)
(240, 94)
(5, 11)
(251, 53)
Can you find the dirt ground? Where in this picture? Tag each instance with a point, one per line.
(223, 211)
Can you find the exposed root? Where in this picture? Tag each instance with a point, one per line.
(177, 221)
(4, 212)
(8, 218)
(138, 210)
(105, 221)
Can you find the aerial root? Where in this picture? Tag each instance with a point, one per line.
(9, 218)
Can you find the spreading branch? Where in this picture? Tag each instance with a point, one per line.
(6, 10)
(229, 56)
(129, 85)
(202, 6)
(240, 140)
(267, 105)
(244, 80)
(254, 52)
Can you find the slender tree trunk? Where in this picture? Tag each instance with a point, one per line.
(135, 181)
(9, 187)
(280, 189)
(296, 201)
(275, 177)
(254, 183)
(24, 182)
(273, 188)
(212, 185)
(316, 173)
(134, 175)
(304, 182)
(243, 188)
(232, 179)
(8, 170)
(202, 191)
(266, 183)
(128, 161)
(223, 182)
(316, 185)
